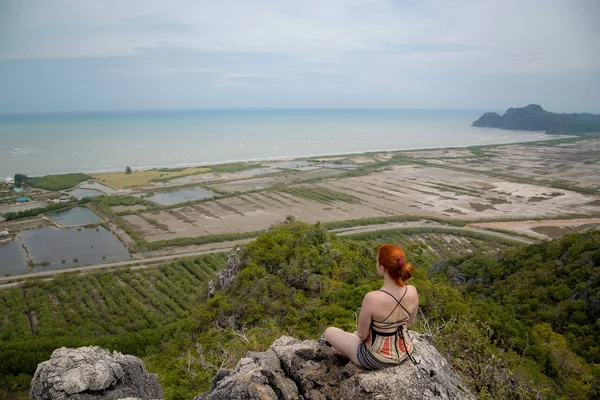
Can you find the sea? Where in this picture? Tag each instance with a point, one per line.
(52, 143)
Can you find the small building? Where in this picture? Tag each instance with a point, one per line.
(9, 181)
(3, 235)
(65, 199)
(23, 199)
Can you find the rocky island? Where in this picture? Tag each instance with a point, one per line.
(534, 118)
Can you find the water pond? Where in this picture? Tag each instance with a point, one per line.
(181, 196)
(13, 258)
(81, 193)
(74, 216)
(292, 164)
(61, 248)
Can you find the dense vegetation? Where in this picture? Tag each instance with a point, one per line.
(129, 310)
(34, 212)
(555, 284)
(299, 279)
(57, 182)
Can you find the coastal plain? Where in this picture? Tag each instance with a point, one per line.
(542, 180)
(509, 187)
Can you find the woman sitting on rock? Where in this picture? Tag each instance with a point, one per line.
(381, 340)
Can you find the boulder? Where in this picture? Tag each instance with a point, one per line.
(88, 373)
(293, 369)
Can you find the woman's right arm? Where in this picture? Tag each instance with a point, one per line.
(364, 319)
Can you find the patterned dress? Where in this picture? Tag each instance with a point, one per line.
(385, 349)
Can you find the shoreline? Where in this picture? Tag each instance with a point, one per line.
(307, 156)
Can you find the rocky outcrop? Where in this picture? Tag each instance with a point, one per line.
(294, 369)
(534, 118)
(88, 373)
(489, 120)
(225, 275)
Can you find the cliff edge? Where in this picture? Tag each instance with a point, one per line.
(294, 369)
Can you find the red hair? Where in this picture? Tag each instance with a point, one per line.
(393, 260)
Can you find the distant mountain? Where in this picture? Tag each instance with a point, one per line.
(534, 118)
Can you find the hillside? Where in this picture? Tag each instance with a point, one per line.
(297, 279)
(534, 118)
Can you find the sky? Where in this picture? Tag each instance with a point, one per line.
(75, 55)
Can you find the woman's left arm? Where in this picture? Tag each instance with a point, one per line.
(364, 319)
(413, 315)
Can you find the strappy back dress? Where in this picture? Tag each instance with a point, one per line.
(385, 349)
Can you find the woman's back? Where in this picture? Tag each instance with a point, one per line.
(393, 307)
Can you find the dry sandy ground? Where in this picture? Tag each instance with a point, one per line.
(471, 194)
(575, 164)
(443, 153)
(409, 189)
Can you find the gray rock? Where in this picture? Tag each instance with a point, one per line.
(293, 369)
(225, 275)
(89, 373)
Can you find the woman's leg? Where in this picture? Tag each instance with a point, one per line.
(345, 342)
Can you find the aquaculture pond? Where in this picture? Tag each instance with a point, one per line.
(53, 248)
(293, 164)
(81, 193)
(13, 259)
(74, 216)
(180, 196)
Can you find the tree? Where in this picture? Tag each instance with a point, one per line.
(128, 170)
(20, 179)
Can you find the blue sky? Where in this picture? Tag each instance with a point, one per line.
(69, 55)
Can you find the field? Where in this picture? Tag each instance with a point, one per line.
(144, 177)
(572, 164)
(437, 246)
(466, 185)
(57, 182)
(105, 303)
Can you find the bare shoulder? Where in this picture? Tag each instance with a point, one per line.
(412, 291)
(371, 297)
(411, 288)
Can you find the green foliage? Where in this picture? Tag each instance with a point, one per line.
(130, 311)
(58, 182)
(33, 212)
(233, 167)
(172, 169)
(112, 201)
(20, 179)
(506, 322)
(557, 283)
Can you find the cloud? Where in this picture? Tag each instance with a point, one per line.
(389, 53)
(509, 35)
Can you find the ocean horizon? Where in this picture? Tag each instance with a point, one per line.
(106, 141)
